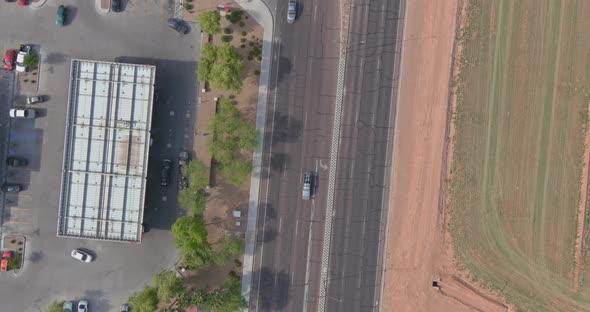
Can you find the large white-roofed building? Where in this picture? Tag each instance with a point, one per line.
(106, 151)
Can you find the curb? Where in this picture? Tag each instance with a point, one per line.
(37, 4)
(260, 11)
(99, 9)
(22, 259)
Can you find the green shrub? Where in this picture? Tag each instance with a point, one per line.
(257, 72)
(244, 34)
(234, 16)
(242, 46)
(227, 30)
(242, 24)
(210, 22)
(225, 38)
(242, 40)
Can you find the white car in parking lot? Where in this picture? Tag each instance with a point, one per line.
(82, 306)
(22, 113)
(81, 255)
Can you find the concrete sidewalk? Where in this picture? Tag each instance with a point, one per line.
(262, 14)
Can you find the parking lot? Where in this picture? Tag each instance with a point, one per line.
(139, 35)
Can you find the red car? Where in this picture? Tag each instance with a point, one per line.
(23, 2)
(4, 263)
(9, 58)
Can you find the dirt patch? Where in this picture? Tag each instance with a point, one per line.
(581, 228)
(418, 249)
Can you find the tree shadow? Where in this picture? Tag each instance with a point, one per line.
(273, 290)
(36, 257)
(54, 58)
(97, 301)
(286, 129)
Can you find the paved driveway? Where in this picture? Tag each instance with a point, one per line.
(138, 35)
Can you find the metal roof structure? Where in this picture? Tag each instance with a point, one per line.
(106, 151)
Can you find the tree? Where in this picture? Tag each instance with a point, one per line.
(144, 301)
(194, 198)
(168, 285)
(237, 171)
(221, 66)
(231, 135)
(229, 249)
(30, 60)
(210, 22)
(56, 306)
(190, 236)
(227, 71)
(197, 173)
(208, 58)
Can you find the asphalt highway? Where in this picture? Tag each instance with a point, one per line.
(300, 110)
(300, 120)
(355, 268)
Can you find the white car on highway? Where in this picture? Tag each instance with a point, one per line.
(81, 255)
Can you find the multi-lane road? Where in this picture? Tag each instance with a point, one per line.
(365, 159)
(298, 139)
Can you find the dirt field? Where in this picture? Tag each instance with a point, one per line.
(418, 251)
(522, 111)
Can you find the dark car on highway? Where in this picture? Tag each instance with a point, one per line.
(16, 162)
(178, 25)
(11, 187)
(166, 168)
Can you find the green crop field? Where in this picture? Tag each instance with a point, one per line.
(522, 100)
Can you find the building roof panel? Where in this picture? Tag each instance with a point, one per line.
(106, 151)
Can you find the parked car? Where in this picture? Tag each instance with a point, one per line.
(165, 176)
(35, 99)
(291, 11)
(124, 308)
(116, 5)
(68, 306)
(16, 162)
(81, 255)
(62, 12)
(22, 113)
(9, 59)
(4, 263)
(178, 25)
(82, 306)
(23, 2)
(20, 58)
(12, 187)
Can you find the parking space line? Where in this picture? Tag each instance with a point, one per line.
(18, 208)
(20, 195)
(18, 222)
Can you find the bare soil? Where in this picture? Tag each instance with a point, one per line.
(419, 248)
(581, 228)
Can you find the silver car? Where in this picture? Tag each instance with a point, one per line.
(68, 306)
(292, 11)
(81, 255)
(35, 99)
